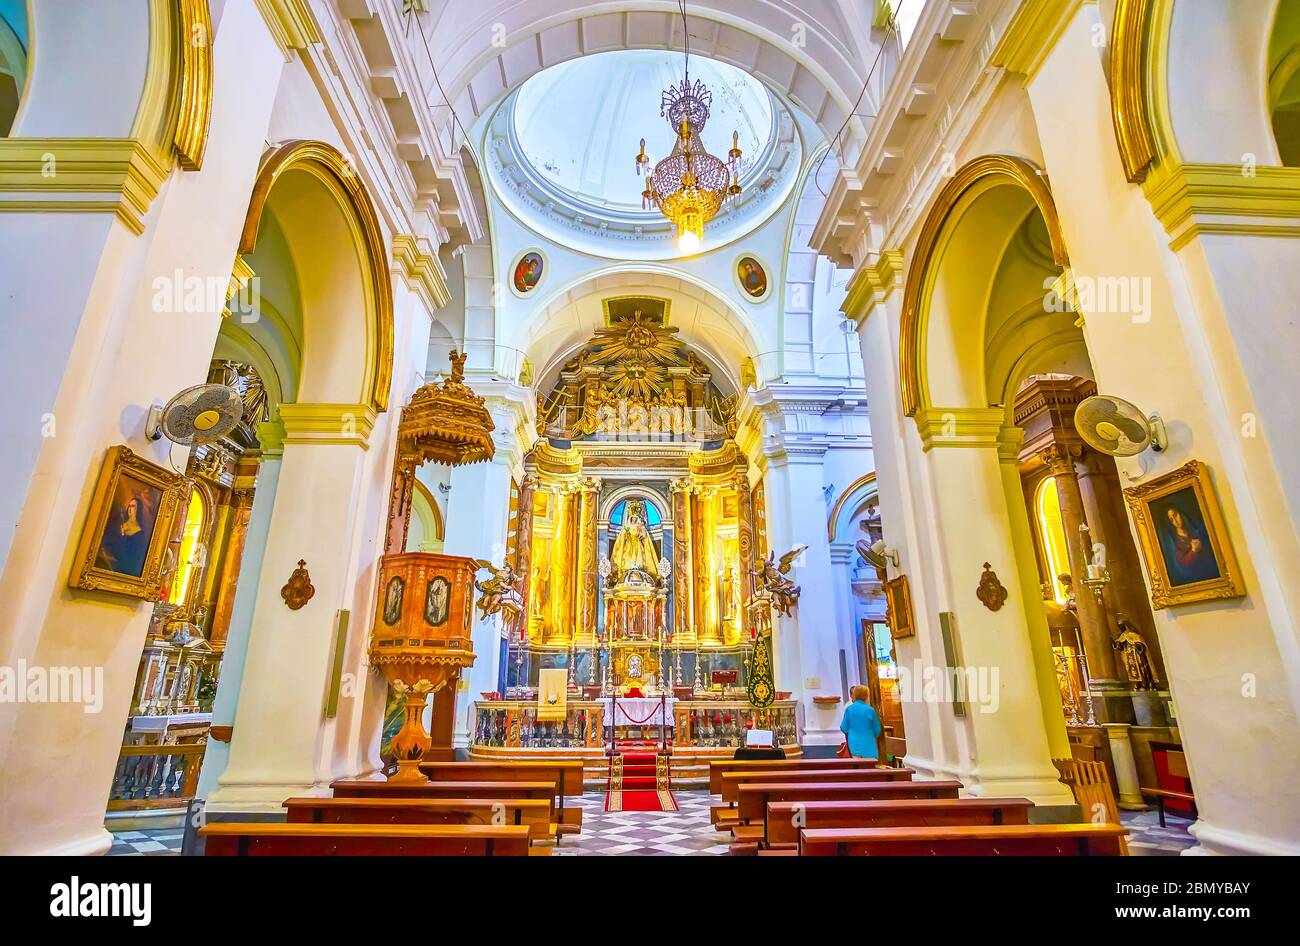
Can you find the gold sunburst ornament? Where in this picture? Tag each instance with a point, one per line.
(690, 185)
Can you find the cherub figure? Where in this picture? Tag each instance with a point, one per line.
(499, 592)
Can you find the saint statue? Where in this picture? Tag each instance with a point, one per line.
(634, 548)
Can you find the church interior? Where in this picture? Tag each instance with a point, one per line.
(688, 427)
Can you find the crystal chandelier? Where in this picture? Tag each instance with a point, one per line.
(690, 185)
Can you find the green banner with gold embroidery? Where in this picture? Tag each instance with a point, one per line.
(762, 688)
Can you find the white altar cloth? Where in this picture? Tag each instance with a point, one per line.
(633, 710)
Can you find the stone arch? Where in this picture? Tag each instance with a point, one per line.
(988, 187)
(847, 506)
(334, 236)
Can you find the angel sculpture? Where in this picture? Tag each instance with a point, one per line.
(771, 578)
(500, 591)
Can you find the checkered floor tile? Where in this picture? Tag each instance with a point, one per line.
(645, 833)
(150, 841)
(1146, 838)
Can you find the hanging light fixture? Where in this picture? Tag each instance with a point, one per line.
(690, 185)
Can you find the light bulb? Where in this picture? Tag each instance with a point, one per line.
(688, 242)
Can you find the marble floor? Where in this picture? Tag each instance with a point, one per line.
(683, 832)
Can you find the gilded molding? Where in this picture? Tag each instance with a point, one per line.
(422, 270)
(328, 164)
(240, 274)
(291, 22)
(124, 169)
(195, 94)
(1032, 33)
(989, 169)
(980, 427)
(872, 284)
(1192, 199)
(327, 423)
(1129, 100)
(865, 480)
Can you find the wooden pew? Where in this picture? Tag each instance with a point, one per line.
(784, 819)
(378, 788)
(272, 839)
(533, 812)
(1029, 840)
(755, 797)
(567, 776)
(1176, 764)
(731, 781)
(720, 766)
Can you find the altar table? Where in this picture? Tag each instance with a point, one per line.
(639, 711)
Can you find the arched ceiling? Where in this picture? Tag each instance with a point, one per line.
(817, 53)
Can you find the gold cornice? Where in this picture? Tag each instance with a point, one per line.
(1129, 101)
(240, 274)
(124, 168)
(990, 168)
(1032, 33)
(329, 165)
(327, 423)
(291, 23)
(422, 270)
(1191, 199)
(195, 95)
(872, 284)
(960, 426)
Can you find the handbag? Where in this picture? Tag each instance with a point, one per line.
(843, 751)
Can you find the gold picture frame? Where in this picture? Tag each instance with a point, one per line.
(898, 607)
(127, 528)
(1184, 541)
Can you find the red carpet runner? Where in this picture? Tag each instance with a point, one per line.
(639, 781)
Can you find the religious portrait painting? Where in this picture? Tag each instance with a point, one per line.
(1184, 541)
(898, 607)
(127, 528)
(393, 600)
(752, 277)
(437, 599)
(528, 272)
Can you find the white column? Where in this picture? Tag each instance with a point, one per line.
(282, 744)
(807, 644)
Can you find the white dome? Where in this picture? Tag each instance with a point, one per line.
(579, 124)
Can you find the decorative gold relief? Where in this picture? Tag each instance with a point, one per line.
(195, 95)
(298, 590)
(1128, 89)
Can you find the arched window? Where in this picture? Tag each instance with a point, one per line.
(192, 553)
(14, 44)
(1284, 83)
(1051, 535)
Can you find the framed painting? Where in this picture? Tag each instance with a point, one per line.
(1185, 544)
(898, 605)
(127, 527)
(751, 276)
(527, 271)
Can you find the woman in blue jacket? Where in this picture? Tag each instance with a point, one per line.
(861, 725)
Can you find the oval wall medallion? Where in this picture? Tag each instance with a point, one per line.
(298, 590)
(991, 591)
